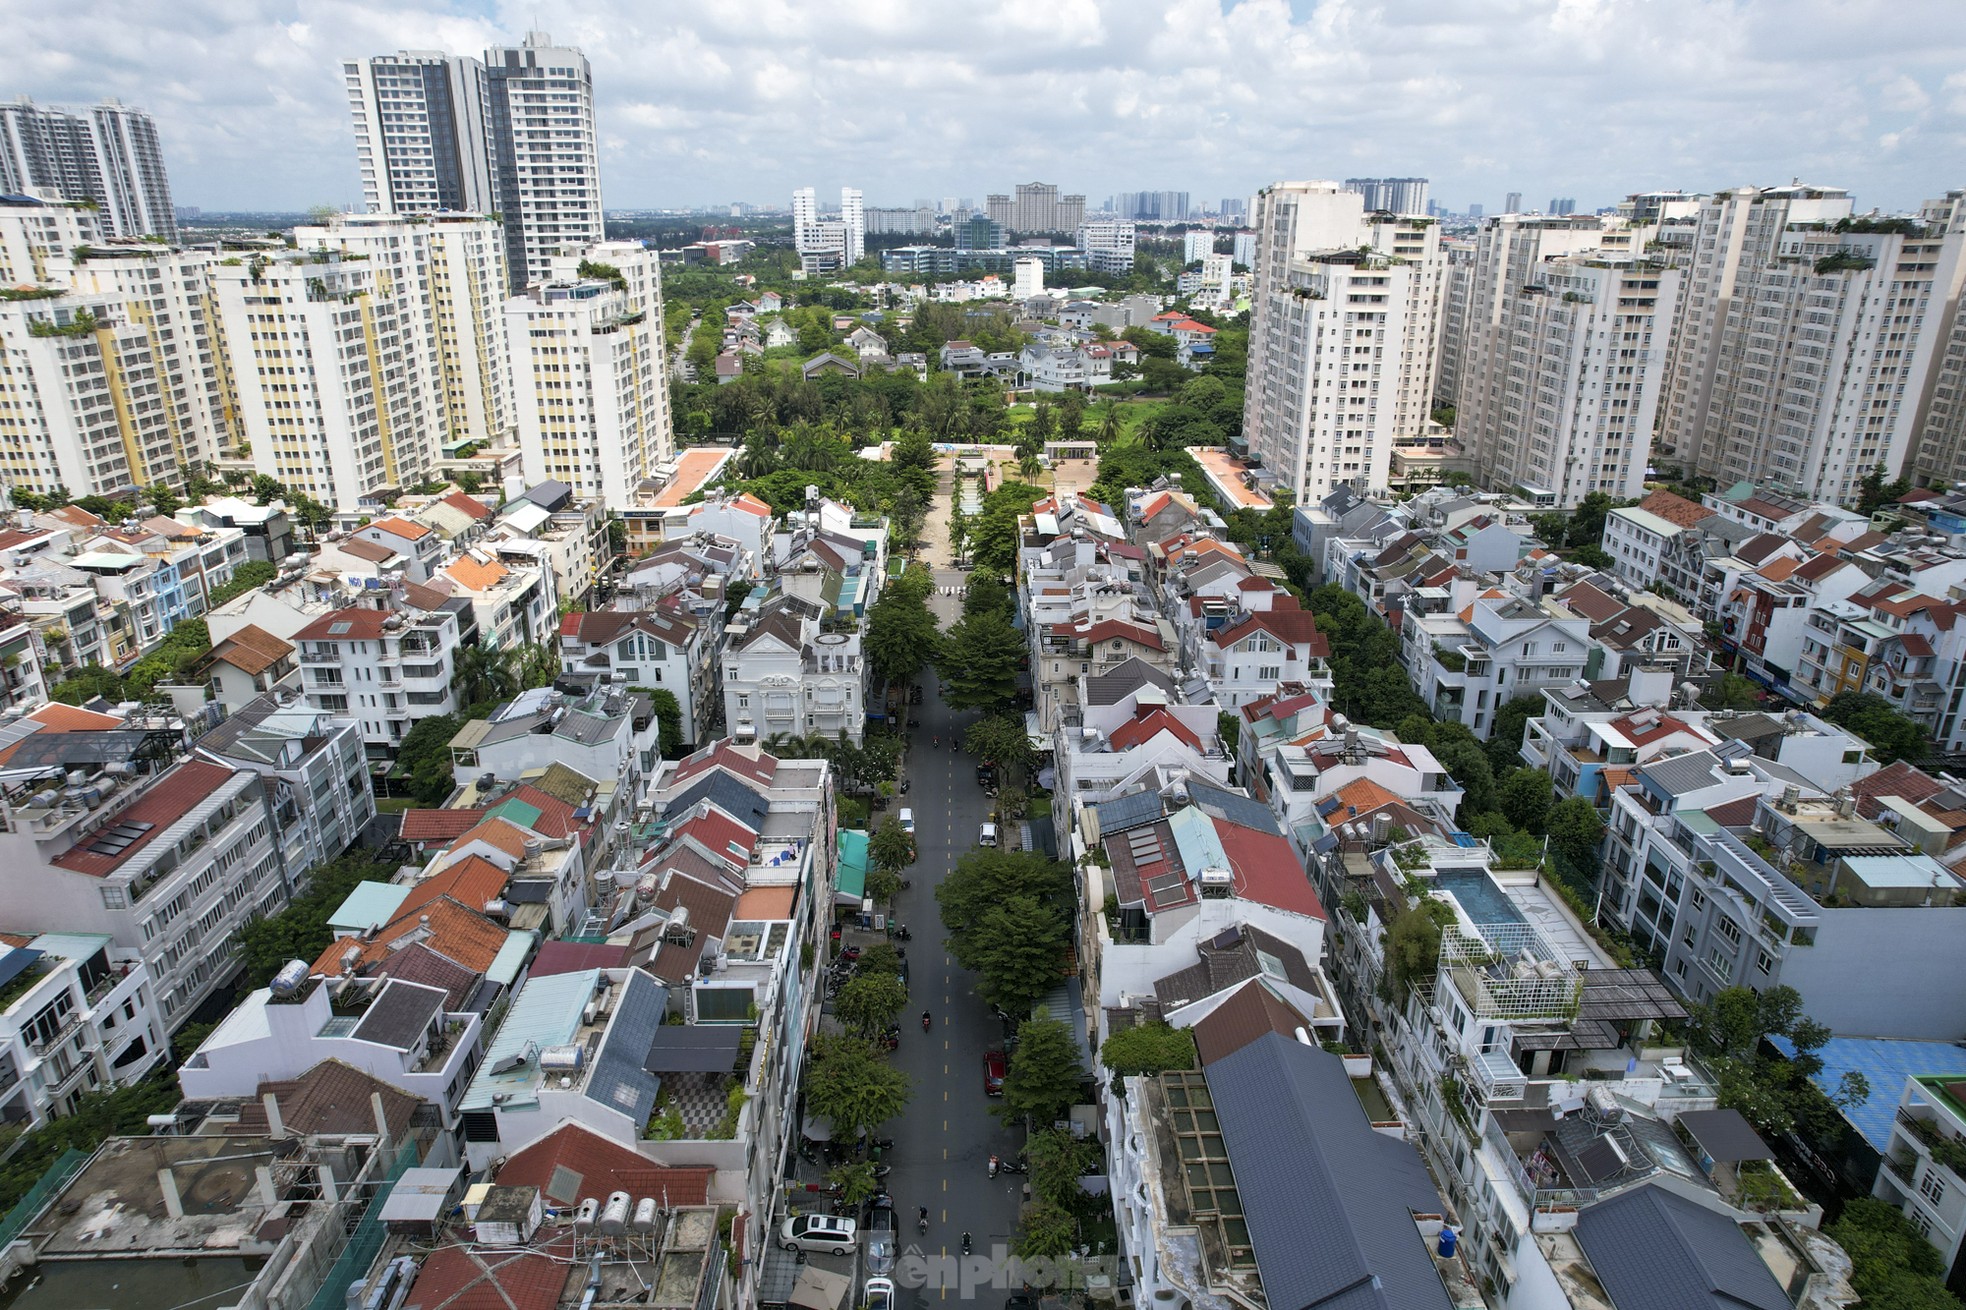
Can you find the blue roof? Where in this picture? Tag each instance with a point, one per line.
(546, 1012)
(1886, 1063)
(1243, 810)
(618, 1080)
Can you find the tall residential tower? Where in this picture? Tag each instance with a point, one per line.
(107, 154)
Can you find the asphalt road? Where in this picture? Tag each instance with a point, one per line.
(944, 1142)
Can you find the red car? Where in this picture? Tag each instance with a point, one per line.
(993, 1067)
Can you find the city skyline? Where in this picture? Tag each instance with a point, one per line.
(252, 115)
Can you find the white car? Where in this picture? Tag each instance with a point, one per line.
(878, 1294)
(907, 821)
(826, 1233)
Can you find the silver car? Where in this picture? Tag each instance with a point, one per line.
(880, 1239)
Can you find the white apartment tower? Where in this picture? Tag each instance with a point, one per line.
(324, 354)
(1450, 343)
(420, 124)
(1941, 456)
(853, 221)
(1342, 339)
(81, 399)
(456, 264)
(1561, 394)
(107, 154)
(1108, 244)
(590, 391)
(168, 293)
(36, 233)
(512, 134)
(805, 213)
(1813, 348)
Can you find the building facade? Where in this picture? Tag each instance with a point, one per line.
(107, 154)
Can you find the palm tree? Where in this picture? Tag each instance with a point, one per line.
(483, 674)
(1028, 464)
(1109, 424)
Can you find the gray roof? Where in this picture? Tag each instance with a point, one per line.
(1682, 773)
(1726, 1135)
(1242, 810)
(724, 792)
(1655, 1250)
(1299, 1143)
(399, 1014)
(618, 1080)
(1125, 678)
(1128, 811)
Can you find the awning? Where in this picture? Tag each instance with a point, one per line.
(820, 1289)
(693, 1048)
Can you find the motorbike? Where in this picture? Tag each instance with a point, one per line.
(965, 1243)
(914, 723)
(1012, 1167)
(899, 932)
(925, 1021)
(995, 1164)
(850, 954)
(924, 1219)
(906, 883)
(881, 1143)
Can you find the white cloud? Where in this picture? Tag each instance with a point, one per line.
(746, 99)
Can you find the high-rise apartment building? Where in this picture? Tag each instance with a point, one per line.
(1154, 206)
(919, 221)
(36, 233)
(420, 126)
(1456, 286)
(1108, 245)
(998, 209)
(590, 385)
(805, 212)
(321, 350)
(853, 223)
(1940, 459)
(513, 134)
(451, 269)
(1231, 207)
(1563, 385)
(107, 154)
(1039, 208)
(1391, 195)
(81, 399)
(1195, 245)
(1809, 342)
(1512, 204)
(1414, 242)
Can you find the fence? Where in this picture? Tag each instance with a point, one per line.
(65, 1167)
(364, 1242)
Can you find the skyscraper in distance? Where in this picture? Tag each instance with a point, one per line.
(1513, 204)
(107, 154)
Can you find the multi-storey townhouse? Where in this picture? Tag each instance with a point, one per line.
(1777, 617)
(168, 859)
(316, 773)
(1467, 665)
(385, 669)
(788, 675)
(78, 1014)
(660, 648)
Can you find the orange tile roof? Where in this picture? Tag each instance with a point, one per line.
(1674, 509)
(169, 799)
(1362, 795)
(473, 881)
(403, 528)
(464, 504)
(765, 903)
(475, 574)
(457, 932)
(499, 834)
(252, 649)
(344, 625)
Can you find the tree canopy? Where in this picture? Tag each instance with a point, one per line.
(851, 1084)
(1044, 1078)
(979, 661)
(1891, 735)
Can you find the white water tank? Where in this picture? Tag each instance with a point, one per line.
(614, 1215)
(644, 1221)
(584, 1217)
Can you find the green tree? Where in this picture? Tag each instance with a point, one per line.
(1467, 763)
(901, 636)
(425, 756)
(892, 847)
(1044, 1079)
(300, 931)
(1774, 1093)
(986, 593)
(1412, 944)
(1505, 737)
(1592, 556)
(1525, 797)
(1575, 830)
(251, 574)
(482, 675)
(1891, 735)
(984, 878)
(1002, 740)
(1893, 1265)
(163, 498)
(855, 1179)
(850, 1084)
(1045, 1231)
(979, 661)
(993, 535)
(87, 683)
(1017, 950)
(1874, 493)
(1148, 1048)
(869, 1002)
(1731, 691)
(669, 718)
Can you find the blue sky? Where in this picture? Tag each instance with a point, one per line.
(745, 99)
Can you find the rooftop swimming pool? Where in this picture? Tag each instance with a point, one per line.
(1483, 901)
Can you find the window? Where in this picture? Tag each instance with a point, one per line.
(1730, 930)
(1699, 899)
(1720, 964)
(1932, 1187)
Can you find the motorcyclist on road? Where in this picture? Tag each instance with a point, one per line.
(924, 1218)
(965, 1243)
(925, 1021)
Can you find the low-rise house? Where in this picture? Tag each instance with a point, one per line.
(406, 1035)
(829, 365)
(386, 670)
(248, 664)
(785, 675)
(1467, 665)
(420, 547)
(609, 732)
(1255, 650)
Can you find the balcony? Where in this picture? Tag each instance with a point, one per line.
(320, 657)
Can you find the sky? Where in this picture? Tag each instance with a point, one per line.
(747, 99)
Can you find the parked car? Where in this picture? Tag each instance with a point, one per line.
(993, 1071)
(907, 821)
(827, 1233)
(878, 1294)
(987, 836)
(986, 775)
(880, 1237)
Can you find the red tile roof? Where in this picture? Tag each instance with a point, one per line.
(169, 799)
(344, 625)
(721, 835)
(1292, 626)
(1915, 645)
(457, 932)
(473, 881)
(602, 1166)
(1267, 870)
(1674, 509)
(58, 717)
(438, 825)
(1133, 632)
(403, 528)
(758, 768)
(461, 1278)
(464, 504)
(1898, 779)
(1143, 728)
(252, 649)
(575, 957)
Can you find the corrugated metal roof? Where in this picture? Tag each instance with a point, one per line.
(618, 1080)
(1654, 1250)
(546, 1012)
(370, 905)
(1886, 1064)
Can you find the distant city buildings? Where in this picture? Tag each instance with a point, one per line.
(828, 244)
(106, 155)
(1036, 208)
(512, 134)
(1154, 206)
(1392, 195)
